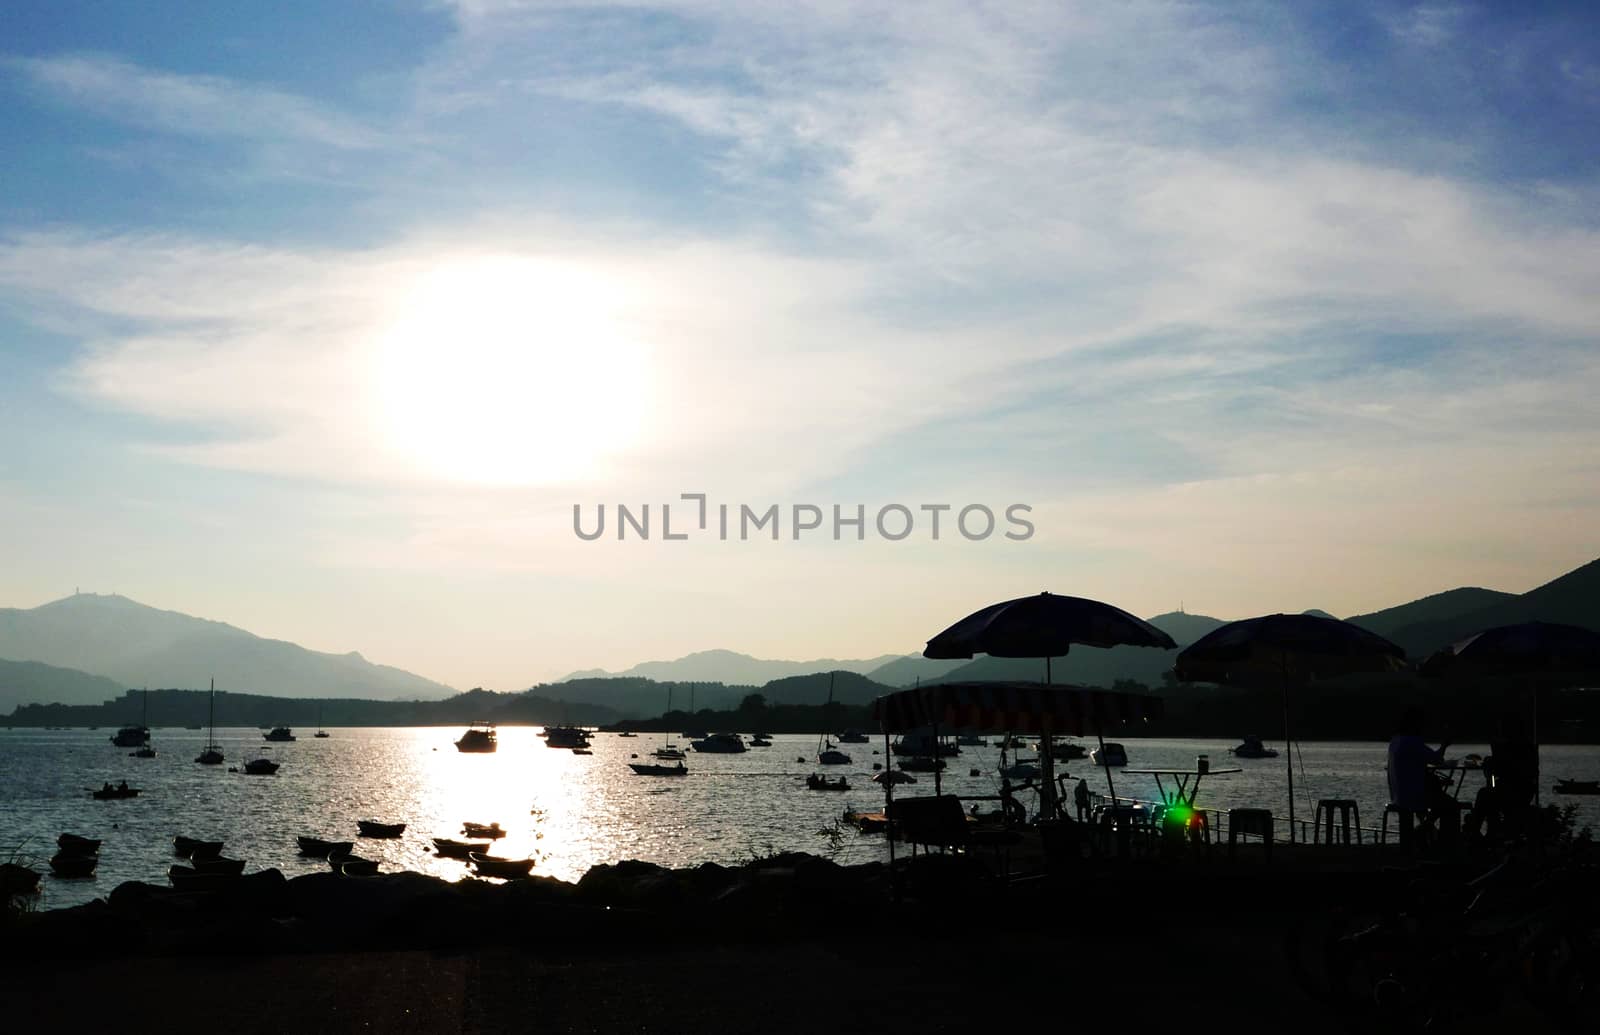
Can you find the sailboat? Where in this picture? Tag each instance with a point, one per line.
(667, 750)
(827, 752)
(212, 755)
(145, 750)
(320, 731)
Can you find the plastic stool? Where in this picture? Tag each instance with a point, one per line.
(1399, 814)
(1243, 822)
(1346, 808)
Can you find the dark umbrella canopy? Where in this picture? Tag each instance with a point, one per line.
(1545, 652)
(1043, 626)
(1297, 648)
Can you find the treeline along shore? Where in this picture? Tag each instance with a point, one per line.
(1356, 710)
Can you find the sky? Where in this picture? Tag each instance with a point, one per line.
(321, 318)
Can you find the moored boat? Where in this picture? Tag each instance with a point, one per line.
(17, 880)
(316, 846)
(348, 865)
(573, 737)
(218, 867)
(480, 830)
(1577, 787)
(452, 849)
(67, 864)
(922, 764)
(498, 866)
(817, 782)
(131, 736)
(261, 767)
(1251, 748)
(479, 738)
(73, 844)
(110, 793)
(279, 735)
(649, 769)
(720, 744)
(212, 755)
(1111, 754)
(373, 828)
(192, 878)
(190, 848)
(852, 736)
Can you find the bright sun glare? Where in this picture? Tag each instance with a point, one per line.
(508, 371)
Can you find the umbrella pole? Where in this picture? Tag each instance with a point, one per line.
(1099, 734)
(1047, 783)
(888, 799)
(937, 791)
(1288, 748)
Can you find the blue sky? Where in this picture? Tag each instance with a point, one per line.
(319, 318)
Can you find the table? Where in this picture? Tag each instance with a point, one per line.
(1183, 792)
(1457, 773)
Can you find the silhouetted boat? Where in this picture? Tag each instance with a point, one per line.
(1251, 748)
(458, 849)
(479, 738)
(316, 846)
(1112, 754)
(372, 828)
(566, 737)
(131, 736)
(73, 864)
(219, 866)
(668, 751)
(853, 736)
(321, 733)
(627, 733)
(1020, 771)
(189, 848)
(867, 822)
(827, 754)
(280, 735)
(1577, 787)
(720, 744)
(1067, 750)
(110, 793)
(822, 783)
(261, 767)
(498, 866)
(489, 830)
(17, 880)
(923, 743)
(73, 844)
(759, 741)
(204, 876)
(649, 769)
(922, 764)
(212, 755)
(347, 865)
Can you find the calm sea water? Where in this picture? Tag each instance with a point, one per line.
(568, 811)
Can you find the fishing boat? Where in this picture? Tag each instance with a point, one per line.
(651, 769)
(482, 830)
(1251, 748)
(1577, 787)
(498, 866)
(458, 849)
(1109, 754)
(317, 847)
(261, 766)
(720, 744)
(190, 848)
(479, 738)
(110, 793)
(372, 828)
(72, 844)
(212, 755)
(571, 737)
(817, 782)
(827, 753)
(279, 735)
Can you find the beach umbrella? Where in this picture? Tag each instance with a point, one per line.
(1281, 650)
(1045, 626)
(1535, 655)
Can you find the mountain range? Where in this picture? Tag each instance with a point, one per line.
(132, 644)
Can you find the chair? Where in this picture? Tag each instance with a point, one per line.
(1349, 813)
(1403, 820)
(1115, 825)
(1244, 822)
(941, 822)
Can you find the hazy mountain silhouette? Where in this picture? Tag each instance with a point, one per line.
(26, 682)
(730, 667)
(136, 645)
(912, 669)
(1425, 625)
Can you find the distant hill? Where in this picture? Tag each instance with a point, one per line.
(25, 682)
(912, 669)
(136, 645)
(639, 698)
(1442, 619)
(732, 668)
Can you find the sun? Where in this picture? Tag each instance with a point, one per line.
(507, 371)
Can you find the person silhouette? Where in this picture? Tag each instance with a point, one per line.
(1080, 796)
(1409, 781)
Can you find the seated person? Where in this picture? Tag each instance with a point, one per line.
(1411, 787)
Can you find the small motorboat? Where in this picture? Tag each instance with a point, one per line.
(892, 776)
(818, 782)
(110, 793)
(131, 736)
(189, 848)
(372, 828)
(922, 764)
(648, 769)
(458, 849)
(492, 831)
(572, 737)
(480, 738)
(279, 735)
(348, 865)
(759, 741)
(720, 744)
(67, 864)
(73, 844)
(867, 822)
(1110, 754)
(627, 733)
(1251, 748)
(316, 846)
(582, 751)
(1020, 771)
(1577, 787)
(219, 867)
(853, 736)
(261, 767)
(498, 866)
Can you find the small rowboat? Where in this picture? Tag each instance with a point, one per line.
(347, 865)
(822, 783)
(189, 848)
(76, 845)
(322, 849)
(498, 866)
(1577, 787)
(63, 864)
(479, 830)
(458, 849)
(372, 828)
(186, 878)
(17, 880)
(219, 867)
(110, 793)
